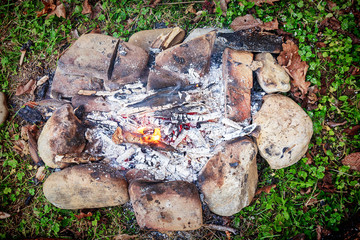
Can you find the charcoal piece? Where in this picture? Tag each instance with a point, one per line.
(159, 25)
(80, 112)
(41, 91)
(252, 42)
(30, 115)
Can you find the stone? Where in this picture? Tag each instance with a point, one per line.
(91, 103)
(129, 66)
(285, 131)
(65, 85)
(62, 134)
(91, 55)
(166, 206)
(238, 78)
(197, 32)
(137, 174)
(145, 39)
(86, 186)
(181, 61)
(4, 112)
(271, 76)
(229, 179)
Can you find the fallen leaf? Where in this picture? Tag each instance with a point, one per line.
(125, 237)
(40, 174)
(209, 6)
(265, 189)
(25, 130)
(311, 100)
(290, 59)
(245, 22)
(305, 191)
(352, 160)
(21, 147)
(321, 44)
(331, 4)
(190, 9)
(86, 7)
(96, 30)
(49, 6)
(30, 104)
(29, 87)
(353, 130)
(326, 183)
(4, 215)
(273, 25)
(259, 2)
(59, 11)
(310, 159)
(83, 215)
(300, 236)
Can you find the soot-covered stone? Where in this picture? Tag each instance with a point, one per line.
(229, 179)
(166, 206)
(86, 186)
(62, 134)
(285, 131)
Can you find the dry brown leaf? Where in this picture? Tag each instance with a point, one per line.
(273, 25)
(326, 183)
(49, 6)
(353, 131)
(335, 124)
(42, 80)
(96, 10)
(190, 9)
(125, 237)
(352, 160)
(290, 59)
(29, 87)
(83, 215)
(245, 22)
(86, 7)
(259, 2)
(40, 174)
(60, 11)
(21, 147)
(4, 215)
(265, 189)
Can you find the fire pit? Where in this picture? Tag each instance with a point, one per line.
(156, 120)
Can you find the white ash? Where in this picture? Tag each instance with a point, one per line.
(204, 128)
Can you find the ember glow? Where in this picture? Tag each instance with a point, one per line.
(154, 138)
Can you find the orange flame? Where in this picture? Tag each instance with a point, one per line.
(154, 138)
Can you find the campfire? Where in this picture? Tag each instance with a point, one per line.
(158, 122)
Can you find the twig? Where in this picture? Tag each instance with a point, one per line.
(174, 3)
(220, 228)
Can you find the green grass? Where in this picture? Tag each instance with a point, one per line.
(297, 205)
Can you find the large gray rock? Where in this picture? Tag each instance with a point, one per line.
(177, 62)
(91, 55)
(129, 65)
(145, 39)
(86, 186)
(271, 76)
(166, 206)
(62, 134)
(65, 85)
(4, 112)
(285, 132)
(229, 179)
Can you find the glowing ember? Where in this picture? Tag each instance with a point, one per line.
(154, 138)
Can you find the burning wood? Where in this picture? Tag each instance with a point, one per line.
(142, 138)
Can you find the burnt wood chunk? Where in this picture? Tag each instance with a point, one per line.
(252, 42)
(238, 78)
(91, 103)
(174, 65)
